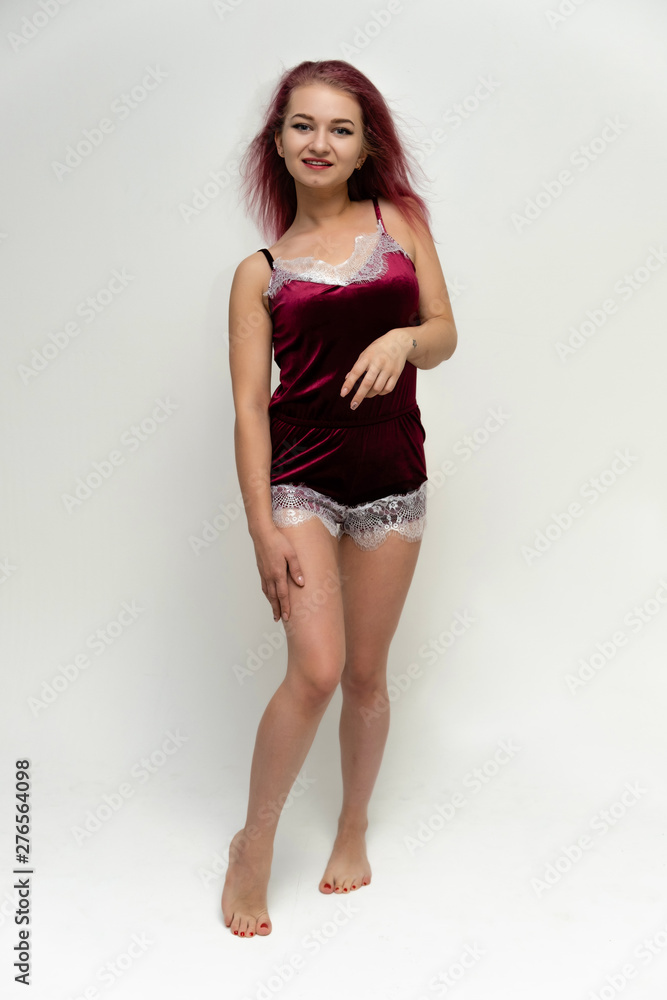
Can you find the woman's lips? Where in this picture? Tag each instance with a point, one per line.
(317, 166)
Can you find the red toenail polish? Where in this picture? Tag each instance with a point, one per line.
(251, 933)
(326, 885)
(264, 925)
(236, 932)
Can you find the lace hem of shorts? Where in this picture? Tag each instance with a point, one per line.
(368, 523)
(354, 269)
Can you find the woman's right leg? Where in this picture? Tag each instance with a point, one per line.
(315, 661)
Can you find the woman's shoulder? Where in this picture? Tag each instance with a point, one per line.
(252, 267)
(399, 224)
(405, 211)
(251, 278)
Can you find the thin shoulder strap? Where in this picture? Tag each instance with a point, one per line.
(378, 214)
(267, 255)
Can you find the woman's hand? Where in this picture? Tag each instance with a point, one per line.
(276, 558)
(383, 361)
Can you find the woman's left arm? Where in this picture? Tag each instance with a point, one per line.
(437, 336)
(424, 346)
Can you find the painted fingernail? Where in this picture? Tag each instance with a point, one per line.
(353, 406)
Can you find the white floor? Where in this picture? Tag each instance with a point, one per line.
(522, 886)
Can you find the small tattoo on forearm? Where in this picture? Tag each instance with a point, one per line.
(414, 342)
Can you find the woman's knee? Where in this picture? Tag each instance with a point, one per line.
(314, 682)
(364, 678)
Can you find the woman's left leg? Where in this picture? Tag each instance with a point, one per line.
(375, 585)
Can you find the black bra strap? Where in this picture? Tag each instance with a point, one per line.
(267, 255)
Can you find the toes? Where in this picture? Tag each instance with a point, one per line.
(250, 926)
(326, 885)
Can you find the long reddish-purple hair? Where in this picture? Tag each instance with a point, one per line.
(268, 187)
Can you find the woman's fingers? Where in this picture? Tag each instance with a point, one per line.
(295, 569)
(276, 586)
(380, 378)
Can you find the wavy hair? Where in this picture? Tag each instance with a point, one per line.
(267, 186)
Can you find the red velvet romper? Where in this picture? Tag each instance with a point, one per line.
(323, 317)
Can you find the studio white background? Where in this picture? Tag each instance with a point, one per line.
(138, 651)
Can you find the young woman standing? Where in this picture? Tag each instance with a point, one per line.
(331, 466)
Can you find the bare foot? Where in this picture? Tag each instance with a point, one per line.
(348, 866)
(244, 893)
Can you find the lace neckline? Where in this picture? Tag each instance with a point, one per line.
(366, 263)
(301, 261)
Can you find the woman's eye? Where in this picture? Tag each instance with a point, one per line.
(338, 129)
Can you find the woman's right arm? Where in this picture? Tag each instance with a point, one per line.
(250, 347)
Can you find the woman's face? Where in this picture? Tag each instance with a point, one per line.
(321, 123)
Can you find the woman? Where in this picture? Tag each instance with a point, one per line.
(331, 466)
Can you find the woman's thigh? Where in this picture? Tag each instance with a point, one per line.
(375, 586)
(315, 629)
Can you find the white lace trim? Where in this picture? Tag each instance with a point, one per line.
(366, 263)
(367, 523)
